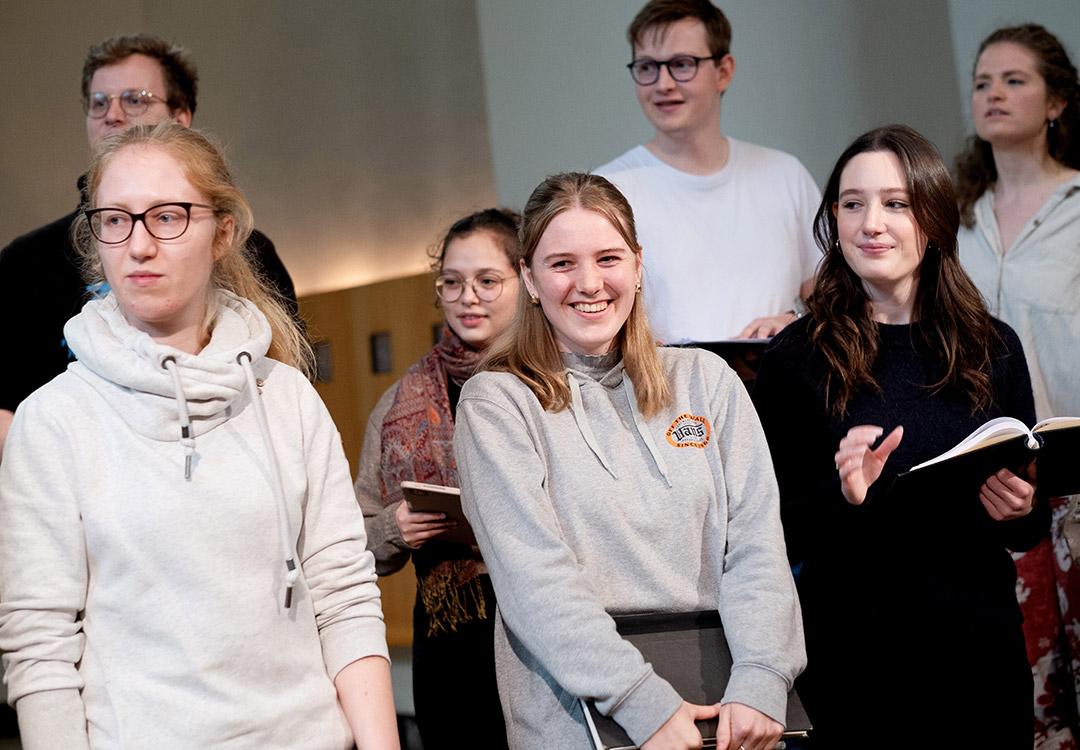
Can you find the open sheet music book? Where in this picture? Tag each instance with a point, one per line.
(1053, 444)
(688, 649)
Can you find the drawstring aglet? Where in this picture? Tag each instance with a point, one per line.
(185, 438)
(290, 579)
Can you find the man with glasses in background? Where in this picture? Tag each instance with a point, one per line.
(726, 225)
(127, 81)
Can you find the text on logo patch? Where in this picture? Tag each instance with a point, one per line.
(689, 431)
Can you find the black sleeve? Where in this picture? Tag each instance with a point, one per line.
(40, 288)
(792, 413)
(269, 265)
(1012, 388)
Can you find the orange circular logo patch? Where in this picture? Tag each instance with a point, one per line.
(689, 431)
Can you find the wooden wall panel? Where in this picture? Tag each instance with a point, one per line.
(346, 320)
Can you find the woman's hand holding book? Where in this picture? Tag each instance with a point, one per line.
(1007, 496)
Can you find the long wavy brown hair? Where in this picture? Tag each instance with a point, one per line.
(528, 349)
(954, 326)
(975, 168)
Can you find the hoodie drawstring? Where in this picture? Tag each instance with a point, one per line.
(186, 438)
(643, 429)
(292, 573)
(577, 408)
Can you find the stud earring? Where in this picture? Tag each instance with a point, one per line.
(637, 288)
(534, 300)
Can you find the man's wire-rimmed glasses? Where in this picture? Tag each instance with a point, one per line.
(133, 101)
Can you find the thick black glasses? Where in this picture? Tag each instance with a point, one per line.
(165, 221)
(487, 287)
(133, 101)
(646, 71)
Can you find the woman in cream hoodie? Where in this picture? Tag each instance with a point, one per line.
(182, 563)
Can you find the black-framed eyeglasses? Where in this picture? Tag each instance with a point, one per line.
(486, 286)
(133, 101)
(165, 221)
(646, 71)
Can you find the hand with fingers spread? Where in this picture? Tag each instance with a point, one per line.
(679, 732)
(418, 528)
(859, 464)
(1007, 496)
(745, 728)
(763, 328)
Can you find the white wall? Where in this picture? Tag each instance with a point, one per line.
(357, 129)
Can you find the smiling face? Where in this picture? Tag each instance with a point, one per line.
(1009, 100)
(161, 285)
(675, 108)
(879, 237)
(137, 73)
(585, 277)
(477, 259)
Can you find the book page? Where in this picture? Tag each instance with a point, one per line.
(1056, 423)
(990, 433)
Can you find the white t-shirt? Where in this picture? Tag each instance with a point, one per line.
(720, 249)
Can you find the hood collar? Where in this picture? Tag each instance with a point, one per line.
(607, 371)
(129, 367)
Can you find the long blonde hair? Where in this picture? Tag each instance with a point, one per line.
(528, 349)
(205, 168)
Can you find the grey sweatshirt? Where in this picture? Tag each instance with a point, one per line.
(594, 510)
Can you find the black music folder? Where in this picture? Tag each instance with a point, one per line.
(689, 650)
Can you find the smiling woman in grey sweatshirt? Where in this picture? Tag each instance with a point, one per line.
(595, 509)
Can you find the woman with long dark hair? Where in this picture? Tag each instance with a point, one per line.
(908, 602)
(1019, 189)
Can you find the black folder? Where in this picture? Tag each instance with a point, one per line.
(688, 649)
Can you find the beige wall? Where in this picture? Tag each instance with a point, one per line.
(357, 128)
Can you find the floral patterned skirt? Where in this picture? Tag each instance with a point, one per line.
(1048, 588)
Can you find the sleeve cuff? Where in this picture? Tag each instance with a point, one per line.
(760, 688)
(345, 642)
(52, 719)
(647, 708)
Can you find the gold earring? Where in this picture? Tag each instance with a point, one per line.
(534, 300)
(637, 289)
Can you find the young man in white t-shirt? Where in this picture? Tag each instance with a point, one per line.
(726, 226)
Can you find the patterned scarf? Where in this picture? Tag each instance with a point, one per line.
(417, 445)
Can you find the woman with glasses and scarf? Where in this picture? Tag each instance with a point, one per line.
(182, 563)
(409, 438)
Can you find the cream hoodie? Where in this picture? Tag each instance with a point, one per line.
(143, 572)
